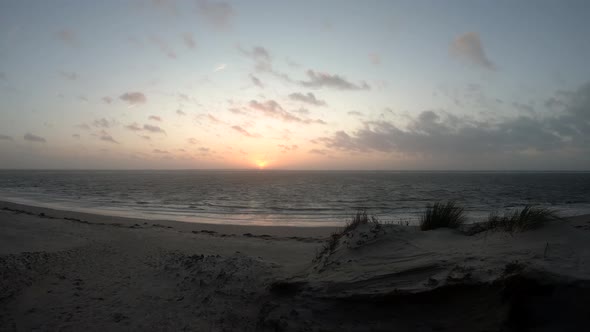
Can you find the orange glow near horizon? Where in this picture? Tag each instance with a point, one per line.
(261, 164)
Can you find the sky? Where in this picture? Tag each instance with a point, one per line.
(335, 85)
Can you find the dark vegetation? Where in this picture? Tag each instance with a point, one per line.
(520, 220)
(440, 214)
(451, 215)
(360, 218)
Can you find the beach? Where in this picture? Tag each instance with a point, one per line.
(72, 271)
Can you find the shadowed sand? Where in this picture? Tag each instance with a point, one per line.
(73, 271)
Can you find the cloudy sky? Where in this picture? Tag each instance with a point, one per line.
(427, 85)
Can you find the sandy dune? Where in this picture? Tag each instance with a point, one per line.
(72, 271)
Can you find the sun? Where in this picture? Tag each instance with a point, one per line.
(261, 164)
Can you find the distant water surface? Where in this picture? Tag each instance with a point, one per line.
(303, 198)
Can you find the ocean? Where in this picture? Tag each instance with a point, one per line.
(297, 198)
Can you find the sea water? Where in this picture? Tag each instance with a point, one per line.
(302, 198)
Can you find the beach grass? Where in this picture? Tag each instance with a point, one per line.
(442, 214)
(361, 217)
(520, 220)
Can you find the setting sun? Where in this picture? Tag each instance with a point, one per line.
(261, 164)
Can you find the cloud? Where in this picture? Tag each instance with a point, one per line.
(259, 54)
(302, 111)
(554, 103)
(287, 148)
(180, 112)
(133, 98)
(307, 98)
(237, 111)
(219, 67)
(440, 135)
(134, 127)
(523, 107)
(320, 80)
(76, 136)
(192, 140)
(163, 46)
(292, 63)
(83, 126)
(244, 132)
(68, 37)
(107, 138)
(272, 109)
(104, 123)
(213, 119)
(155, 118)
(153, 129)
(321, 152)
(375, 59)
(263, 62)
(468, 47)
(145, 137)
(5, 138)
(166, 6)
(160, 151)
(189, 40)
(107, 100)
(217, 14)
(71, 76)
(354, 113)
(256, 81)
(34, 138)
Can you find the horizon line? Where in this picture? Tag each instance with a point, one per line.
(302, 170)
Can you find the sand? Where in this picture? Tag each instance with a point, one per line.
(72, 271)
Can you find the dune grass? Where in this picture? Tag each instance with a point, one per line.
(441, 214)
(520, 220)
(361, 217)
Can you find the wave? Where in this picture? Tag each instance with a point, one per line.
(285, 196)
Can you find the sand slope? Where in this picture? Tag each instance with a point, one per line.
(381, 277)
(69, 271)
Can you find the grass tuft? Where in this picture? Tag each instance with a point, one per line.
(449, 215)
(360, 218)
(527, 218)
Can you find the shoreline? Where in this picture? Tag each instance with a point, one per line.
(321, 227)
(226, 229)
(196, 218)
